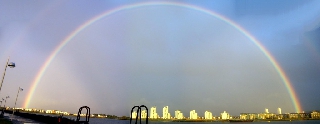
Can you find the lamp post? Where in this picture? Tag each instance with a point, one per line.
(5, 101)
(11, 65)
(14, 108)
(2, 101)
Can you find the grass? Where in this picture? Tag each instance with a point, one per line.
(5, 121)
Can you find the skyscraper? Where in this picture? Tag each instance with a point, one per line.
(279, 110)
(225, 115)
(153, 113)
(193, 114)
(266, 110)
(144, 114)
(207, 115)
(178, 114)
(134, 114)
(165, 113)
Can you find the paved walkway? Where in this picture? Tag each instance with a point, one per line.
(20, 120)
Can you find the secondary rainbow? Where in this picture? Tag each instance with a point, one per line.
(276, 65)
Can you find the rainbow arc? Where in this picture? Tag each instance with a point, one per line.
(74, 33)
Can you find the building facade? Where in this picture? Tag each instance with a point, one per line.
(225, 115)
(315, 114)
(178, 114)
(266, 110)
(144, 114)
(134, 114)
(207, 115)
(153, 113)
(267, 116)
(165, 113)
(299, 115)
(193, 114)
(279, 111)
(248, 116)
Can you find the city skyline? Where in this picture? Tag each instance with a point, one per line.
(166, 114)
(172, 113)
(215, 55)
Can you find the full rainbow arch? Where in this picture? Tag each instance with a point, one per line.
(285, 79)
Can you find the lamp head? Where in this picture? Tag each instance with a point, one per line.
(12, 65)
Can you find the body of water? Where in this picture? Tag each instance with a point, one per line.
(21, 120)
(111, 121)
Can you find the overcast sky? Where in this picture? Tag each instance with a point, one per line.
(162, 55)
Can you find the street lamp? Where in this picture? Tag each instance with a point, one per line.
(5, 101)
(11, 65)
(20, 89)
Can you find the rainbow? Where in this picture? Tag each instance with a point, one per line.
(65, 41)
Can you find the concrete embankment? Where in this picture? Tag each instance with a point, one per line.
(44, 118)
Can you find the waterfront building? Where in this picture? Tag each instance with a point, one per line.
(207, 115)
(153, 113)
(65, 113)
(267, 116)
(279, 111)
(282, 116)
(193, 114)
(134, 114)
(102, 115)
(48, 111)
(225, 115)
(165, 113)
(299, 115)
(315, 115)
(293, 115)
(248, 116)
(40, 111)
(51, 111)
(28, 110)
(178, 114)
(144, 114)
(99, 115)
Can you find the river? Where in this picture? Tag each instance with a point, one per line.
(20, 120)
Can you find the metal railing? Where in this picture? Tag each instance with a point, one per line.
(87, 115)
(139, 113)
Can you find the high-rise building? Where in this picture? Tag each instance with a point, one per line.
(207, 115)
(193, 114)
(144, 114)
(225, 115)
(279, 110)
(178, 114)
(134, 114)
(153, 113)
(266, 110)
(165, 113)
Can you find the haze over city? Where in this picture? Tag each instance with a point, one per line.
(183, 54)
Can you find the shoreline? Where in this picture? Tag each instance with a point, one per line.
(203, 120)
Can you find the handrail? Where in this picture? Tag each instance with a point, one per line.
(139, 113)
(87, 115)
